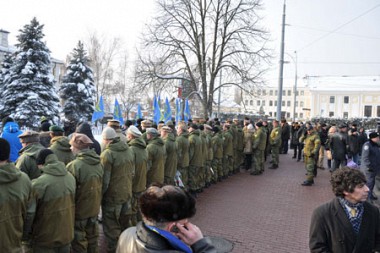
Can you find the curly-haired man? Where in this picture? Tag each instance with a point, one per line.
(348, 223)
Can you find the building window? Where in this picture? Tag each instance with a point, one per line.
(288, 103)
(275, 114)
(346, 99)
(345, 115)
(368, 111)
(301, 104)
(251, 102)
(289, 92)
(271, 93)
(264, 92)
(297, 93)
(263, 103)
(332, 99)
(331, 114)
(288, 114)
(246, 102)
(302, 93)
(296, 103)
(283, 103)
(275, 103)
(270, 103)
(301, 115)
(296, 115)
(275, 92)
(283, 93)
(258, 102)
(378, 111)
(270, 114)
(259, 92)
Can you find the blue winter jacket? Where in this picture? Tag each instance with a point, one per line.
(11, 132)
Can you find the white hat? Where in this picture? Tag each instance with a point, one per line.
(134, 131)
(108, 133)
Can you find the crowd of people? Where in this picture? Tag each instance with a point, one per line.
(139, 174)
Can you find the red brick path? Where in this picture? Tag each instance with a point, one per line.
(269, 213)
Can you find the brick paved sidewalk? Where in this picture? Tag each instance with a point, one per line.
(266, 213)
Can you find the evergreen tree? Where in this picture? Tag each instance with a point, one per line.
(30, 92)
(78, 90)
(4, 77)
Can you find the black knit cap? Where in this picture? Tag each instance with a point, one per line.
(40, 160)
(5, 149)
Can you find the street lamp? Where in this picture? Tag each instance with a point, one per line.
(294, 59)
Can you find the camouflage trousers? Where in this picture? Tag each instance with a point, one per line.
(309, 165)
(208, 173)
(184, 176)
(275, 151)
(217, 167)
(258, 161)
(193, 177)
(86, 233)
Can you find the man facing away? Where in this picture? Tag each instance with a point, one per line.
(348, 223)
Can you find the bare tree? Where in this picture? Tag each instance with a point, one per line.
(103, 53)
(194, 40)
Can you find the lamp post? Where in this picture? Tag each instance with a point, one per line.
(294, 59)
(280, 79)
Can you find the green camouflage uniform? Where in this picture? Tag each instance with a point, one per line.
(61, 148)
(195, 159)
(156, 161)
(202, 173)
(217, 145)
(15, 191)
(171, 159)
(88, 173)
(258, 148)
(119, 169)
(183, 157)
(310, 150)
(275, 144)
(26, 162)
(228, 153)
(210, 157)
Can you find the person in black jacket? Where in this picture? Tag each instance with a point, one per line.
(285, 136)
(371, 161)
(348, 223)
(165, 226)
(85, 128)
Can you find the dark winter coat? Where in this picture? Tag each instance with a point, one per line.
(331, 231)
(285, 132)
(85, 128)
(53, 203)
(45, 139)
(27, 160)
(61, 147)
(323, 135)
(363, 138)
(88, 173)
(339, 146)
(140, 155)
(10, 133)
(354, 144)
(140, 239)
(371, 157)
(15, 191)
(119, 169)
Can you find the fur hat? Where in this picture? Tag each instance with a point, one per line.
(152, 131)
(113, 123)
(167, 129)
(108, 133)
(41, 156)
(146, 123)
(134, 131)
(30, 136)
(80, 141)
(5, 150)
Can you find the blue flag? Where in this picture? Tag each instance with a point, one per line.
(99, 110)
(178, 116)
(117, 114)
(156, 111)
(138, 113)
(186, 111)
(168, 111)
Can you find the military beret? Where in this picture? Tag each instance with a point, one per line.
(30, 136)
(55, 128)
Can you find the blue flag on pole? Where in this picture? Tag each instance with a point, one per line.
(178, 116)
(117, 113)
(168, 111)
(186, 111)
(138, 114)
(99, 110)
(156, 111)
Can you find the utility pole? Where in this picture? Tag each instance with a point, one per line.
(280, 79)
(295, 88)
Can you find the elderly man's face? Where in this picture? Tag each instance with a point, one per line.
(360, 194)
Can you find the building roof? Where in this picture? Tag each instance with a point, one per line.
(343, 83)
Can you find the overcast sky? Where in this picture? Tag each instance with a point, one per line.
(332, 37)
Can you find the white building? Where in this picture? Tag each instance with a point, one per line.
(334, 97)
